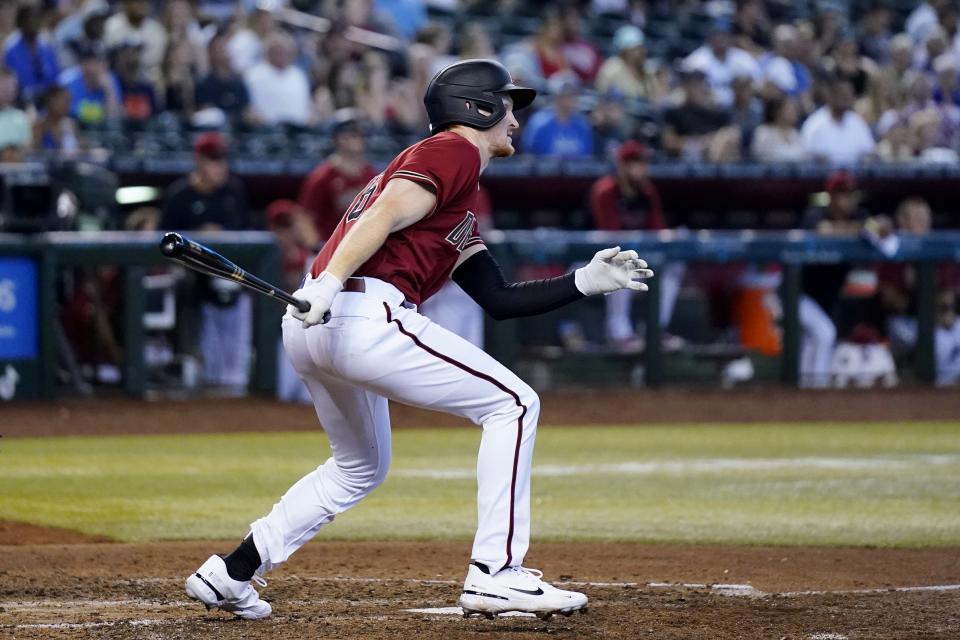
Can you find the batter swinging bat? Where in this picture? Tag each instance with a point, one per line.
(194, 255)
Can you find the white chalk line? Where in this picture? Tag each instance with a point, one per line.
(827, 636)
(704, 465)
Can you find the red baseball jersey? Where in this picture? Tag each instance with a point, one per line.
(327, 192)
(418, 260)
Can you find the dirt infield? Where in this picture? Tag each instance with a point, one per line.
(126, 416)
(364, 590)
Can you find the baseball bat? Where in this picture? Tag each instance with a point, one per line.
(196, 256)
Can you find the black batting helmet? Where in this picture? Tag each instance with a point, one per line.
(459, 91)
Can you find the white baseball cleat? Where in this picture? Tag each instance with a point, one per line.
(515, 589)
(213, 586)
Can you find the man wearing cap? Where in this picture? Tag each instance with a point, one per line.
(208, 199)
(822, 283)
(94, 90)
(560, 130)
(697, 129)
(628, 200)
(627, 72)
(330, 188)
(721, 62)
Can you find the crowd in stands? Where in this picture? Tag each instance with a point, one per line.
(833, 81)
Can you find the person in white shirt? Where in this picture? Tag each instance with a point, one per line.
(777, 139)
(835, 133)
(134, 24)
(722, 62)
(279, 90)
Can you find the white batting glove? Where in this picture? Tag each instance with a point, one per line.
(612, 270)
(319, 292)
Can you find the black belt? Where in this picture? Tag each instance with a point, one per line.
(359, 285)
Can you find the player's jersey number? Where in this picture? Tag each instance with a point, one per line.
(359, 204)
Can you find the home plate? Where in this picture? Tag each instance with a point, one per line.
(457, 611)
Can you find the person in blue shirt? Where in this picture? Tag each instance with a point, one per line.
(29, 56)
(559, 130)
(95, 92)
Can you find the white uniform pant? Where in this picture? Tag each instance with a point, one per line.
(374, 349)
(818, 341)
(225, 342)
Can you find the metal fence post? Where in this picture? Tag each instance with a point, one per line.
(266, 325)
(790, 301)
(134, 296)
(926, 318)
(653, 358)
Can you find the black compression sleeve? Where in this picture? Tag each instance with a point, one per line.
(480, 276)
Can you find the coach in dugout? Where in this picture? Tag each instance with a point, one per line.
(330, 188)
(209, 199)
(628, 200)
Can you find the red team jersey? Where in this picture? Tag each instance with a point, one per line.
(418, 260)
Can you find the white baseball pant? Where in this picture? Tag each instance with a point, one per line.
(375, 348)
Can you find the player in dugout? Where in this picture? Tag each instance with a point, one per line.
(363, 343)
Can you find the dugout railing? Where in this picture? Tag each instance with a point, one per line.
(136, 253)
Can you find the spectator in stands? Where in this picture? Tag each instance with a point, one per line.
(875, 34)
(781, 68)
(209, 199)
(548, 44)
(924, 19)
(721, 62)
(559, 130)
(944, 133)
(751, 27)
(279, 90)
(628, 72)
(926, 130)
(697, 130)
(475, 42)
(884, 100)
(935, 45)
(183, 30)
(246, 42)
(845, 62)
(14, 123)
(223, 89)
(629, 200)
(330, 188)
(946, 90)
(834, 133)
(54, 129)
(87, 24)
(746, 110)
(581, 55)
(611, 125)
(896, 145)
(778, 139)
(138, 97)
(134, 24)
(179, 88)
(94, 91)
(29, 55)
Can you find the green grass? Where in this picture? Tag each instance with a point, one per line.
(814, 484)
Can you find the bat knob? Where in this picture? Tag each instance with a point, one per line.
(171, 244)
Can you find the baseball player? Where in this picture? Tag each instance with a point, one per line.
(401, 239)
